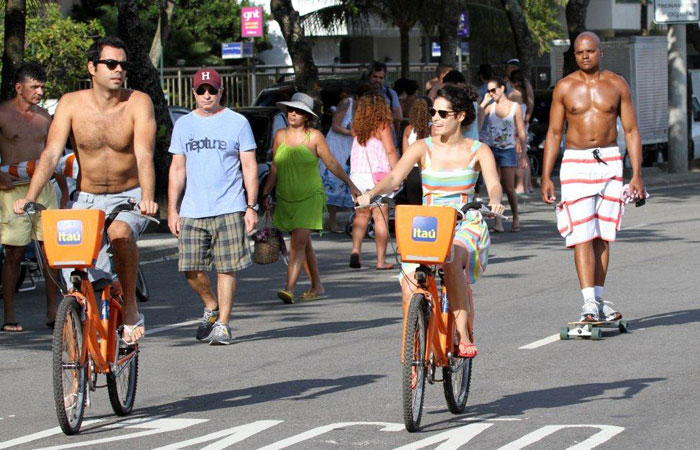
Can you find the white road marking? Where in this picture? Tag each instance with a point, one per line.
(40, 435)
(230, 436)
(606, 433)
(540, 343)
(453, 439)
(171, 326)
(325, 429)
(153, 426)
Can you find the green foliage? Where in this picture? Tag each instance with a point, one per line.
(59, 45)
(198, 27)
(542, 18)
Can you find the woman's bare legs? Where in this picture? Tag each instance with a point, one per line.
(359, 229)
(381, 234)
(508, 184)
(301, 238)
(311, 267)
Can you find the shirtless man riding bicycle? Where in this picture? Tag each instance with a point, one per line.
(113, 133)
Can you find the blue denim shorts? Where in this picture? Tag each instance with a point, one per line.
(505, 157)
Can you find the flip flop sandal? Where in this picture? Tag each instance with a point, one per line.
(286, 297)
(355, 261)
(466, 350)
(129, 329)
(493, 230)
(389, 267)
(311, 296)
(17, 328)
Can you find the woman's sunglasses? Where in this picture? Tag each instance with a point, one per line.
(441, 112)
(297, 111)
(492, 91)
(202, 89)
(113, 63)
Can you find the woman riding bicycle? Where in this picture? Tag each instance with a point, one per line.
(450, 165)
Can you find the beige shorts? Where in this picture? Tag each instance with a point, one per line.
(19, 230)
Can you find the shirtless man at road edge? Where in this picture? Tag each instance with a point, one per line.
(113, 133)
(23, 129)
(590, 211)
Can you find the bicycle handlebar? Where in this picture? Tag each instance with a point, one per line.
(378, 200)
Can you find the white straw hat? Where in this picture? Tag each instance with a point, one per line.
(300, 101)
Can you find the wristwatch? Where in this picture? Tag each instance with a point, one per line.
(255, 207)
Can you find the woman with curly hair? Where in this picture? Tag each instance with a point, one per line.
(372, 156)
(418, 128)
(450, 165)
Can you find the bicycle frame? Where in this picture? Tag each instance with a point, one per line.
(99, 326)
(441, 325)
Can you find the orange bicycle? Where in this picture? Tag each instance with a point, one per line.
(87, 338)
(425, 235)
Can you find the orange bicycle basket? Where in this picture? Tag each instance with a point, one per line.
(424, 234)
(72, 237)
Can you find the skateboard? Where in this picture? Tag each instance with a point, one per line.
(592, 330)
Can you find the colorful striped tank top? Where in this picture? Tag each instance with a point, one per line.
(448, 187)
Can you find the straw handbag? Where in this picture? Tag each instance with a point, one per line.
(266, 248)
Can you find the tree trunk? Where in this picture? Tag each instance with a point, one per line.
(575, 25)
(524, 45)
(305, 70)
(447, 30)
(404, 44)
(13, 54)
(162, 31)
(144, 77)
(644, 18)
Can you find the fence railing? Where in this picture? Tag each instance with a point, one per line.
(242, 84)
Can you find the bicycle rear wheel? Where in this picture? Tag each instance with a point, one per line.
(414, 370)
(122, 380)
(69, 377)
(456, 380)
(142, 293)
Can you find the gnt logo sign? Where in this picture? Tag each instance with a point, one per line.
(70, 232)
(424, 229)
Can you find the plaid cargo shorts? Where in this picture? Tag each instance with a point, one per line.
(217, 243)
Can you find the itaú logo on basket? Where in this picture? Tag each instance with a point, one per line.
(69, 232)
(424, 229)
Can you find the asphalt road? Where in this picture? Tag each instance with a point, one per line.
(327, 375)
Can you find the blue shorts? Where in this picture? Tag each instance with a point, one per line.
(505, 157)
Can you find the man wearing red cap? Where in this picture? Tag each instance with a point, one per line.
(113, 133)
(213, 160)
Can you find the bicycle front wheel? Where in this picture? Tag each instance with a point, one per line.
(69, 377)
(456, 379)
(121, 381)
(414, 369)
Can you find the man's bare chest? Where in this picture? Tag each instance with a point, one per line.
(98, 131)
(600, 98)
(18, 131)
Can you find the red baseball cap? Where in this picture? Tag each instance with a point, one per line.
(207, 76)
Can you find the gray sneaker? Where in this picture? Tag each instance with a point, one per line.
(589, 312)
(604, 310)
(205, 327)
(220, 335)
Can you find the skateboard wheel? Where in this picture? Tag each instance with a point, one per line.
(596, 333)
(563, 333)
(624, 326)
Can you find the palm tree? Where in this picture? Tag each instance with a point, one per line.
(575, 25)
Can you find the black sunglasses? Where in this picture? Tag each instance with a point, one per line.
(442, 113)
(113, 63)
(202, 89)
(295, 110)
(492, 91)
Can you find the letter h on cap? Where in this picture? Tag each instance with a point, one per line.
(205, 75)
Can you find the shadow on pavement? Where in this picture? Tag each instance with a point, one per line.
(519, 404)
(683, 317)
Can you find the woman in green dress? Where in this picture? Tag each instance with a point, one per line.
(301, 199)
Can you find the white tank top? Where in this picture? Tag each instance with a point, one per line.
(501, 131)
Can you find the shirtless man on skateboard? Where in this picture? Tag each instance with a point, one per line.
(590, 210)
(113, 133)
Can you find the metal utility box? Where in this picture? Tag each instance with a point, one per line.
(643, 62)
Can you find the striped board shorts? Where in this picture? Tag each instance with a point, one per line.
(217, 243)
(591, 195)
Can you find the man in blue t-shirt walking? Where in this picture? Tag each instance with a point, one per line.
(213, 159)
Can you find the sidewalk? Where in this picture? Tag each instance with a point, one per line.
(156, 246)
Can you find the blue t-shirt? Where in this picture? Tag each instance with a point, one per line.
(211, 146)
